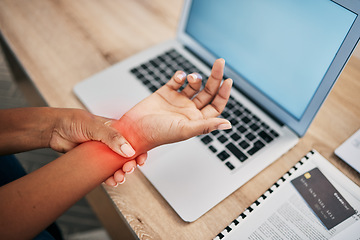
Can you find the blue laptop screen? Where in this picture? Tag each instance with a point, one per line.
(283, 48)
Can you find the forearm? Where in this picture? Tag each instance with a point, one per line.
(23, 129)
(29, 204)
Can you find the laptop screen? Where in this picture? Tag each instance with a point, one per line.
(282, 48)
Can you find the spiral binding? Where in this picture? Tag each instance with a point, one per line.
(265, 195)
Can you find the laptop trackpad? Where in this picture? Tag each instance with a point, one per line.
(186, 182)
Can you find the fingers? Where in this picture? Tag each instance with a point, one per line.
(129, 167)
(116, 179)
(113, 139)
(205, 126)
(212, 85)
(194, 85)
(176, 81)
(111, 180)
(218, 104)
(140, 160)
(119, 176)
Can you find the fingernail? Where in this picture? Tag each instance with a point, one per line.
(111, 182)
(198, 76)
(116, 184)
(195, 76)
(181, 76)
(224, 126)
(108, 123)
(124, 179)
(131, 170)
(127, 150)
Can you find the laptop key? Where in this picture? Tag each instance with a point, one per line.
(244, 144)
(207, 139)
(213, 149)
(234, 121)
(245, 119)
(223, 155)
(265, 136)
(168, 75)
(230, 105)
(139, 75)
(234, 150)
(242, 129)
(228, 130)
(256, 118)
(257, 146)
(146, 82)
(274, 133)
(237, 113)
(250, 136)
(254, 127)
(225, 114)
(215, 132)
(235, 136)
(222, 138)
(153, 88)
(154, 63)
(229, 165)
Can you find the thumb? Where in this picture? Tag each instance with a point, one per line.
(206, 126)
(113, 139)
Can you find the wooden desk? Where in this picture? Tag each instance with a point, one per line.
(60, 43)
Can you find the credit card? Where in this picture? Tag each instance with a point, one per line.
(323, 198)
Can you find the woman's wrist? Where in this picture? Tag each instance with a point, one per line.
(132, 134)
(44, 120)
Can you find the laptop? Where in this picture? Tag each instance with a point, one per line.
(283, 56)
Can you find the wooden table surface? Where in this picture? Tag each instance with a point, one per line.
(60, 43)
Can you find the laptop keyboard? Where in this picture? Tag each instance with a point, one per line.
(159, 70)
(248, 135)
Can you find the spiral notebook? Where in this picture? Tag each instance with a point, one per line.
(313, 200)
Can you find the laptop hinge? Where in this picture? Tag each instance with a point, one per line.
(238, 89)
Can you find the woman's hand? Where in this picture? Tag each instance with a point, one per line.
(169, 116)
(166, 116)
(75, 126)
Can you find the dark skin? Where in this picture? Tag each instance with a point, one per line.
(28, 205)
(25, 129)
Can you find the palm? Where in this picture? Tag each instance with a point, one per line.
(163, 119)
(169, 115)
